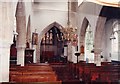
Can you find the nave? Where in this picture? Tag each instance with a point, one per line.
(65, 73)
(53, 31)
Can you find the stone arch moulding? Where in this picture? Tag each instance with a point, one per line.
(48, 28)
(83, 31)
(44, 31)
(98, 34)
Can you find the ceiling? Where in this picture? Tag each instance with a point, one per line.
(110, 12)
(113, 3)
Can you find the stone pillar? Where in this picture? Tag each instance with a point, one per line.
(81, 57)
(119, 41)
(69, 52)
(97, 58)
(21, 39)
(74, 57)
(6, 34)
(20, 55)
(4, 62)
(21, 30)
(37, 51)
(34, 55)
(65, 50)
(73, 8)
(98, 40)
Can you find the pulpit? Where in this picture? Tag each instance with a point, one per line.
(29, 55)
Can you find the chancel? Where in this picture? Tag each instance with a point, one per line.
(60, 41)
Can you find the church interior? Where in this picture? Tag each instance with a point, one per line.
(59, 41)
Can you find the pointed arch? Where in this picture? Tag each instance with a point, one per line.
(56, 24)
(83, 31)
(98, 34)
(54, 52)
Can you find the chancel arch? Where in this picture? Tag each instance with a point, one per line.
(52, 44)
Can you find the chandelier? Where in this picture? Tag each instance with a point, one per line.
(70, 33)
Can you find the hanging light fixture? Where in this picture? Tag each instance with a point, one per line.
(69, 33)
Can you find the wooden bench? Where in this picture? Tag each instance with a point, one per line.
(32, 73)
(34, 78)
(48, 82)
(88, 72)
(28, 68)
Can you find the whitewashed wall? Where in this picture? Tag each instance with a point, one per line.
(46, 13)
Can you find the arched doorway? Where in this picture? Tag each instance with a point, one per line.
(52, 46)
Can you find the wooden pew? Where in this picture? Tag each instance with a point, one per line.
(63, 72)
(48, 82)
(106, 74)
(31, 68)
(35, 78)
(32, 73)
(89, 72)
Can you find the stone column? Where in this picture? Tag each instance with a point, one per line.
(70, 57)
(74, 57)
(119, 41)
(73, 8)
(66, 51)
(97, 58)
(34, 55)
(21, 30)
(98, 40)
(6, 34)
(37, 51)
(4, 62)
